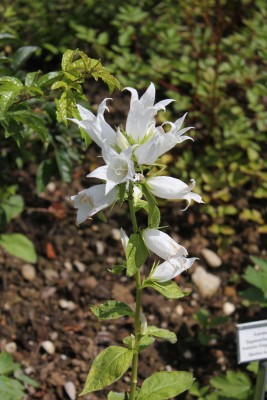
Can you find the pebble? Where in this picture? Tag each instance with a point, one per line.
(115, 233)
(51, 274)
(207, 284)
(51, 187)
(188, 354)
(211, 258)
(67, 304)
(79, 265)
(48, 346)
(100, 247)
(70, 390)
(68, 266)
(28, 272)
(11, 347)
(179, 310)
(228, 308)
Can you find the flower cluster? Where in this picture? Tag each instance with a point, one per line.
(129, 152)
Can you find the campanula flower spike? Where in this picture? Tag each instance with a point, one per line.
(130, 173)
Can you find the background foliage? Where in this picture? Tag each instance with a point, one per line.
(209, 56)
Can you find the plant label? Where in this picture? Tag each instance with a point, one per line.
(252, 341)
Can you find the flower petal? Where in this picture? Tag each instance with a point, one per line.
(162, 244)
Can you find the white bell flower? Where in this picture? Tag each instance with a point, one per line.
(96, 126)
(148, 152)
(171, 268)
(119, 168)
(142, 112)
(170, 188)
(162, 244)
(91, 201)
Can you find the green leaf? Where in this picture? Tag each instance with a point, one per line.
(63, 163)
(13, 206)
(161, 333)
(116, 396)
(22, 55)
(25, 379)
(6, 364)
(235, 385)
(65, 106)
(44, 174)
(13, 83)
(136, 253)
(169, 289)
(164, 385)
(19, 246)
(145, 341)
(260, 262)
(107, 368)
(256, 278)
(50, 78)
(112, 309)
(11, 389)
(153, 210)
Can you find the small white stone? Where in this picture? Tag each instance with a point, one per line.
(100, 247)
(70, 390)
(115, 233)
(207, 284)
(79, 265)
(48, 346)
(187, 354)
(68, 266)
(51, 187)
(179, 310)
(211, 258)
(67, 304)
(228, 308)
(28, 272)
(11, 347)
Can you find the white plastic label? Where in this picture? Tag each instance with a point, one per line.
(252, 341)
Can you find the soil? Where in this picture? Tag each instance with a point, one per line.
(72, 273)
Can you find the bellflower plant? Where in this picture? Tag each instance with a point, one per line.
(130, 174)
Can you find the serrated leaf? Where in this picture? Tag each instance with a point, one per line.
(136, 253)
(22, 55)
(65, 106)
(164, 385)
(161, 333)
(107, 368)
(111, 309)
(58, 85)
(12, 82)
(25, 379)
(169, 289)
(7, 99)
(11, 389)
(50, 78)
(31, 78)
(18, 245)
(233, 385)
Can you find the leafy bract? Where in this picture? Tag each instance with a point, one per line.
(164, 385)
(107, 368)
(161, 333)
(111, 309)
(136, 253)
(169, 289)
(18, 245)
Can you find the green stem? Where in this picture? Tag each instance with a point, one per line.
(134, 376)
